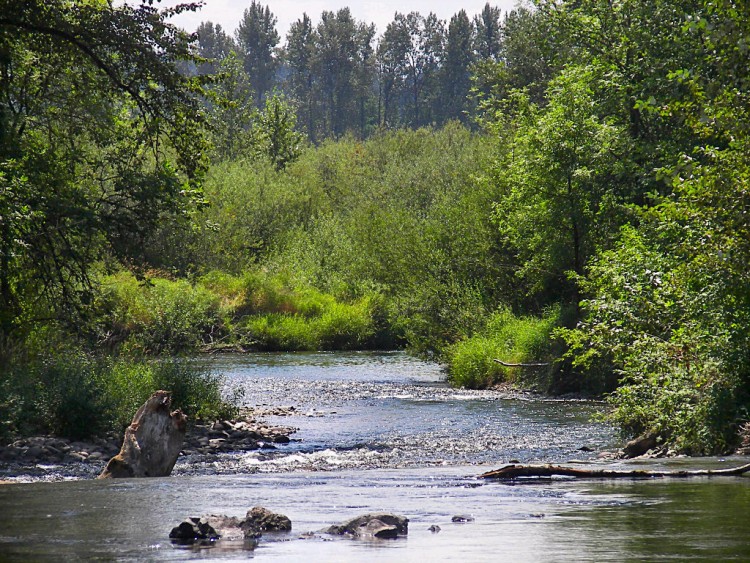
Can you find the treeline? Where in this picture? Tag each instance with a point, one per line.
(584, 220)
(343, 78)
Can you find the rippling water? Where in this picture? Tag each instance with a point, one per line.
(382, 432)
(366, 410)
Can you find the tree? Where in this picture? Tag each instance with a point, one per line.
(455, 81)
(214, 45)
(100, 142)
(488, 39)
(393, 48)
(274, 132)
(342, 62)
(298, 54)
(564, 177)
(257, 39)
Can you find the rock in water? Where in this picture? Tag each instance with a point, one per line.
(194, 531)
(152, 441)
(380, 525)
(263, 520)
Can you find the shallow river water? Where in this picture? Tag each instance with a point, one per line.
(383, 432)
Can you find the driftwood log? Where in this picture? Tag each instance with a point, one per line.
(516, 471)
(152, 441)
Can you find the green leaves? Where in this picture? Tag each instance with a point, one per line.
(101, 140)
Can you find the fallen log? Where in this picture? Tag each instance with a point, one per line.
(516, 471)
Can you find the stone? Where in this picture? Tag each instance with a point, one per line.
(264, 520)
(640, 445)
(194, 530)
(434, 529)
(379, 525)
(152, 442)
(462, 518)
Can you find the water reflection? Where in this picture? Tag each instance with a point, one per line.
(556, 520)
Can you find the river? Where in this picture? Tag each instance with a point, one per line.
(383, 432)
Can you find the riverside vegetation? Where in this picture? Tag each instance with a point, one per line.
(570, 198)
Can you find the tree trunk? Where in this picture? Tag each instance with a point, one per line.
(152, 441)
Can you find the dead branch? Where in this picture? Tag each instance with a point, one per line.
(508, 365)
(516, 471)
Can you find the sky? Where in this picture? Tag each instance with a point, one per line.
(380, 12)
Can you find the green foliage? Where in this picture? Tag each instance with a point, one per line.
(510, 339)
(69, 393)
(100, 143)
(662, 323)
(158, 316)
(282, 317)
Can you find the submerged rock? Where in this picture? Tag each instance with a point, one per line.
(462, 518)
(380, 525)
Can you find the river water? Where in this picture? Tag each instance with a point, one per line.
(383, 432)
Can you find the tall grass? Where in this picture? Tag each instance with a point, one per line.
(511, 339)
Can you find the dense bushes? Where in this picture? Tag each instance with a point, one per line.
(70, 393)
(254, 311)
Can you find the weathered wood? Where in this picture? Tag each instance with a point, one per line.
(509, 365)
(152, 442)
(516, 471)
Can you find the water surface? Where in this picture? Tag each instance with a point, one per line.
(383, 432)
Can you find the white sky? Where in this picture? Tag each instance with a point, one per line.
(380, 12)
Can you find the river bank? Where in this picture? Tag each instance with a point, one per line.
(50, 458)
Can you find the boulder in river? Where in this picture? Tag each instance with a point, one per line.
(379, 525)
(152, 441)
(263, 520)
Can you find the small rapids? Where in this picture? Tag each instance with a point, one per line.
(380, 411)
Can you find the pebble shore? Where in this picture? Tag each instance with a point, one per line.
(25, 456)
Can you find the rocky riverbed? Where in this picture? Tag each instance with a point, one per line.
(53, 458)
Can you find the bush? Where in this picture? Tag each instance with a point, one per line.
(158, 315)
(506, 337)
(78, 395)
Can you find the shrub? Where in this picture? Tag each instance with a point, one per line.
(506, 337)
(78, 395)
(158, 315)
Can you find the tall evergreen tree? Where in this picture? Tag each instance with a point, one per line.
(455, 82)
(257, 39)
(488, 40)
(298, 55)
(213, 44)
(341, 63)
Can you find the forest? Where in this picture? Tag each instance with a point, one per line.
(555, 197)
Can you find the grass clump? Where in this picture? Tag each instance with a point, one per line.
(505, 337)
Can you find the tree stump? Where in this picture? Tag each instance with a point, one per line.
(152, 441)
